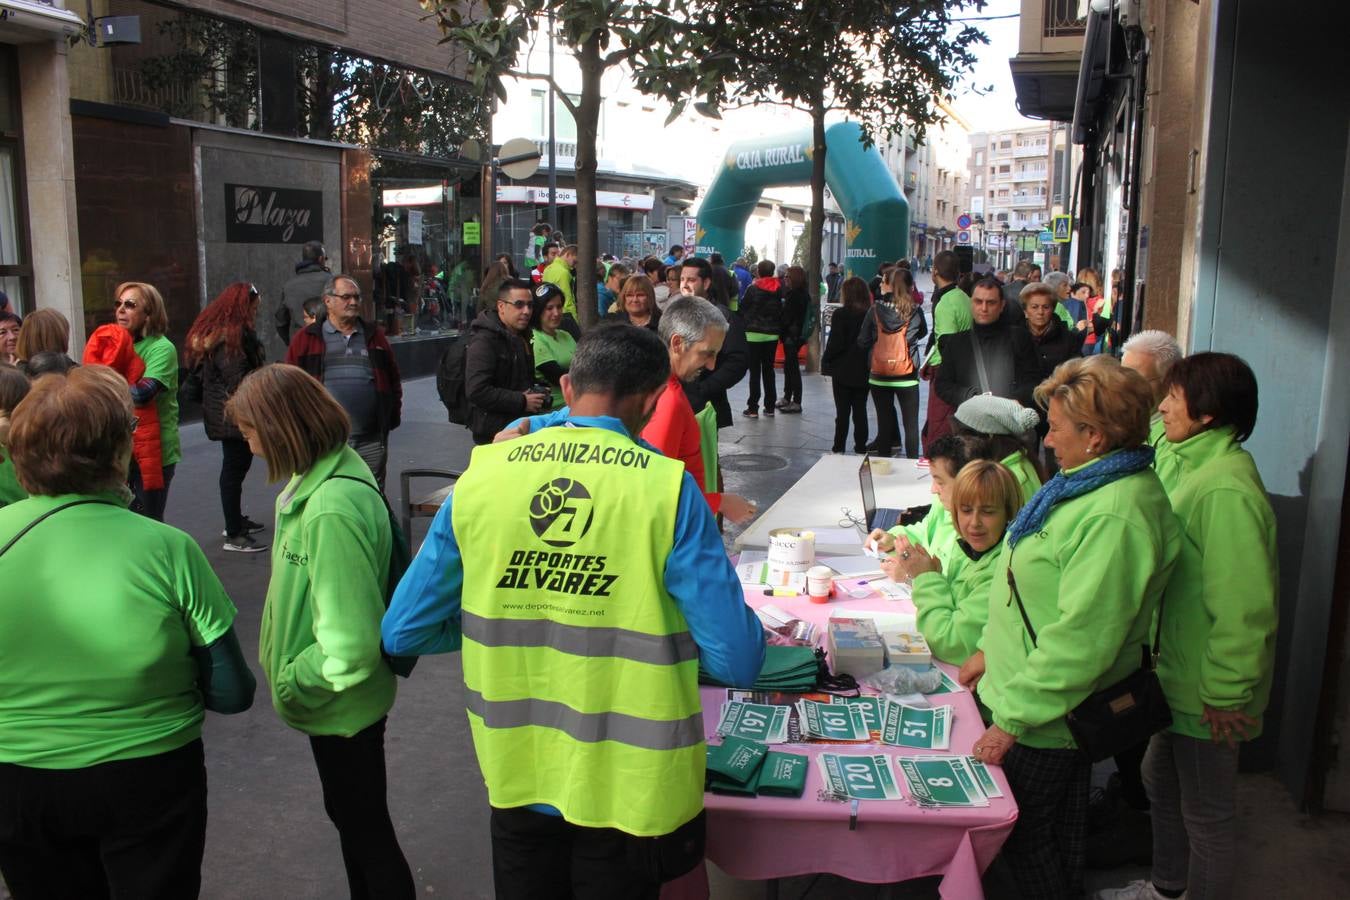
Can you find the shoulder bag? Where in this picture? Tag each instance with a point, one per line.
(1121, 715)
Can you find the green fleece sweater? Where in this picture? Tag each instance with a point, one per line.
(1165, 461)
(936, 533)
(1028, 479)
(1091, 609)
(1219, 615)
(952, 609)
(320, 638)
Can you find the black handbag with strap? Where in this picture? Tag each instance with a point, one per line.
(1121, 715)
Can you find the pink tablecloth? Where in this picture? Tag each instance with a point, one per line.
(773, 837)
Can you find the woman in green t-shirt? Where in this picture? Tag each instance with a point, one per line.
(115, 641)
(320, 639)
(553, 346)
(140, 310)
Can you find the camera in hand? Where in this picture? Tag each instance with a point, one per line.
(547, 392)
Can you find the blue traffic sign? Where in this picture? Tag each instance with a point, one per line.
(963, 221)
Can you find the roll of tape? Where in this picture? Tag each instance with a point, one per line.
(791, 550)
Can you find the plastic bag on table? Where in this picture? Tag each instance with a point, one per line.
(904, 680)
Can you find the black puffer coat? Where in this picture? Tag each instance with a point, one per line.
(221, 373)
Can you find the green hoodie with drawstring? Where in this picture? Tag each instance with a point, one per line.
(320, 638)
(1092, 611)
(953, 609)
(1221, 608)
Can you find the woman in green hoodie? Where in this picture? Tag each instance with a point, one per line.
(1087, 613)
(1218, 628)
(952, 610)
(320, 638)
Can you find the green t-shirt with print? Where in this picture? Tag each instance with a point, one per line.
(161, 364)
(98, 663)
(559, 349)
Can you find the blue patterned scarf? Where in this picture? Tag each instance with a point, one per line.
(1083, 481)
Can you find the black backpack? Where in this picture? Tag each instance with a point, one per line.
(400, 557)
(450, 380)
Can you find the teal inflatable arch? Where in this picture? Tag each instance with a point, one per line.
(876, 211)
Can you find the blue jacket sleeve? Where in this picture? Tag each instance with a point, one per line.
(423, 616)
(704, 585)
(548, 419)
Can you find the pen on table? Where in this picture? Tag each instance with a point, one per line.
(853, 816)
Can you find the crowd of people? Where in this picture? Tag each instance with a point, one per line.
(583, 623)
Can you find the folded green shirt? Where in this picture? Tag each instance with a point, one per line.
(783, 774)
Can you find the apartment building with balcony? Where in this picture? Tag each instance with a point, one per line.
(1011, 185)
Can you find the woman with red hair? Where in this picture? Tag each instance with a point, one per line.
(221, 348)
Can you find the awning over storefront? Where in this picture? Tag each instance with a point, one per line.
(28, 21)
(568, 197)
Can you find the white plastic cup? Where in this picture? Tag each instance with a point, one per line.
(819, 581)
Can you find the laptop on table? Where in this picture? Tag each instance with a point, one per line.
(884, 518)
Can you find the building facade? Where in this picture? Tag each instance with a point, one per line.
(1181, 114)
(1012, 179)
(195, 144)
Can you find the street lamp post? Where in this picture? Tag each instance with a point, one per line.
(1003, 249)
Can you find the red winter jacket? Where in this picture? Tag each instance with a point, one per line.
(112, 346)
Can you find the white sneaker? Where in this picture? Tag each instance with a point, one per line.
(1135, 890)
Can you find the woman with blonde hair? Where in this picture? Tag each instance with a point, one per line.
(1069, 619)
(320, 639)
(637, 303)
(223, 347)
(139, 309)
(953, 609)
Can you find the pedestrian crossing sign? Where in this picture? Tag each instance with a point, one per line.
(1063, 229)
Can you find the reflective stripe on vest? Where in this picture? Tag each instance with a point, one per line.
(580, 674)
(579, 640)
(649, 734)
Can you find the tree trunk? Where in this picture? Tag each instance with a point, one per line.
(588, 123)
(816, 226)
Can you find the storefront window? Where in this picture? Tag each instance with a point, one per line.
(427, 241)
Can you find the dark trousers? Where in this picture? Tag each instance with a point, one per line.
(888, 427)
(149, 503)
(132, 829)
(351, 770)
(536, 856)
(761, 372)
(849, 401)
(1048, 845)
(939, 412)
(792, 372)
(1129, 765)
(235, 460)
